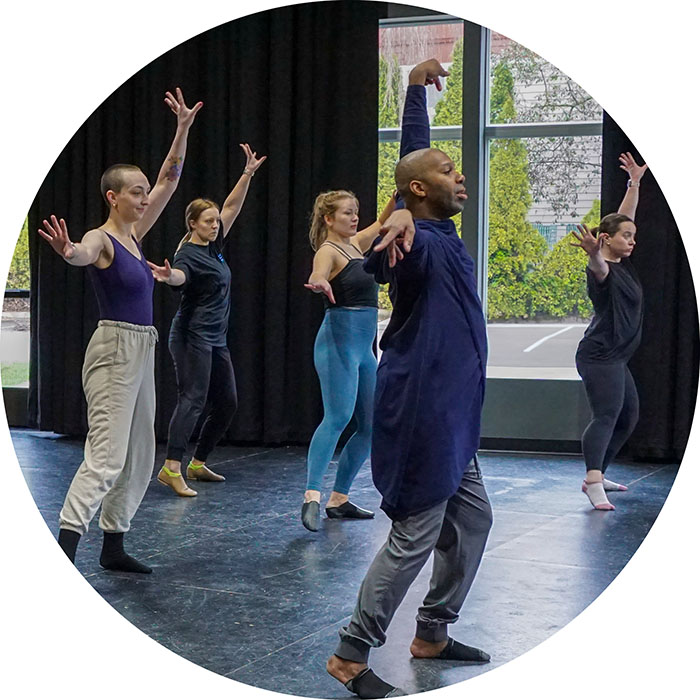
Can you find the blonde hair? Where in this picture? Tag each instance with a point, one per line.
(192, 213)
(325, 205)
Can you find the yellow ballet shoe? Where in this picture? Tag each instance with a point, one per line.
(200, 472)
(175, 482)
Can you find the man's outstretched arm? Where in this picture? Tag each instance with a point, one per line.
(415, 125)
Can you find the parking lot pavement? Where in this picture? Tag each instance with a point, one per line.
(530, 350)
(14, 337)
(534, 344)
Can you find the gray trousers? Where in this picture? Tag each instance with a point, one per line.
(120, 445)
(456, 532)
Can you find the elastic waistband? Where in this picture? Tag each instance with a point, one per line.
(150, 330)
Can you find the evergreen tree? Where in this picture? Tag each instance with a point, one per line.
(515, 247)
(560, 283)
(389, 91)
(448, 112)
(18, 276)
(502, 108)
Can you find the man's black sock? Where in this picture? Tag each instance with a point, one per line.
(115, 558)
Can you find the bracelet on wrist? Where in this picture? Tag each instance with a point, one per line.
(632, 183)
(248, 172)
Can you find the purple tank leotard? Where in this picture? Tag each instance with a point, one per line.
(124, 290)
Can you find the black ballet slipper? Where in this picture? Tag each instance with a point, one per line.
(456, 651)
(310, 515)
(367, 684)
(349, 510)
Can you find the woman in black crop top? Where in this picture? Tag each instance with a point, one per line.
(611, 338)
(343, 355)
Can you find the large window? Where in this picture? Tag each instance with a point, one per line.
(14, 331)
(401, 46)
(543, 144)
(539, 161)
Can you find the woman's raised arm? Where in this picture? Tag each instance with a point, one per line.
(234, 202)
(170, 171)
(628, 207)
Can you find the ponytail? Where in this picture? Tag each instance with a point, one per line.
(185, 239)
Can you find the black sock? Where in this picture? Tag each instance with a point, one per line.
(68, 542)
(114, 557)
(456, 651)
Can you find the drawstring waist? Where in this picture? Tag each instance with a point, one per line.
(151, 330)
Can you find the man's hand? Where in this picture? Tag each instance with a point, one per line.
(397, 232)
(427, 73)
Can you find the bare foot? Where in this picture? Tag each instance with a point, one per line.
(420, 649)
(342, 669)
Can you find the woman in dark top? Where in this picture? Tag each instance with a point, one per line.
(197, 341)
(343, 355)
(611, 338)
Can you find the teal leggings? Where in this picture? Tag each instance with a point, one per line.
(347, 370)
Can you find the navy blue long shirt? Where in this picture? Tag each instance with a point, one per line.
(431, 377)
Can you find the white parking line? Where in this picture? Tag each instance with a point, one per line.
(546, 338)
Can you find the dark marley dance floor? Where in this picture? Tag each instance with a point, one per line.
(260, 599)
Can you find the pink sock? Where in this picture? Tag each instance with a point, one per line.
(612, 486)
(596, 495)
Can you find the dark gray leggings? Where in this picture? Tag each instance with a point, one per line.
(204, 376)
(612, 397)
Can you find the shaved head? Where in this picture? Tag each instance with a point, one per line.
(429, 184)
(415, 166)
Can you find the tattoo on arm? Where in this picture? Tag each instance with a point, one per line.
(173, 172)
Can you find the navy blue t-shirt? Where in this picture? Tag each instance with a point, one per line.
(206, 294)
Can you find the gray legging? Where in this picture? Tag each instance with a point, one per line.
(612, 397)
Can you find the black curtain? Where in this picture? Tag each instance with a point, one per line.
(300, 85)
(665, 367)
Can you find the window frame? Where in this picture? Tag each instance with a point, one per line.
(476, 133)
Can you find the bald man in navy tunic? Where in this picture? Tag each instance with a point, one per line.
(427, 415)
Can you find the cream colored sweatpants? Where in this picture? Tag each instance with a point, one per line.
(120, 446)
